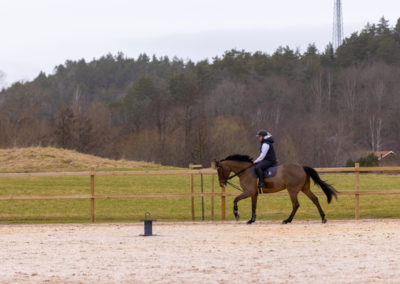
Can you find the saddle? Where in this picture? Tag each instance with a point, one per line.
(269, 172)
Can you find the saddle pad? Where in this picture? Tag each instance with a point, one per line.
(270, 172)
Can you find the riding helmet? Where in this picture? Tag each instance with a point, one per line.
(262, 132)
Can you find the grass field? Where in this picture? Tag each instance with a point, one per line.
(179, 209)
(270, 207)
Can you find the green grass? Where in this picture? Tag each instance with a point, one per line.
(179, 209)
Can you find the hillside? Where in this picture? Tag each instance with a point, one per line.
(323, 108)
(54, 159)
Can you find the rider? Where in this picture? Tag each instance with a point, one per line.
(267, 156)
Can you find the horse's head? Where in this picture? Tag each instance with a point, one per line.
(234, 163)
(223, 172)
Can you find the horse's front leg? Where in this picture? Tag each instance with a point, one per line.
(253, 208)
(244, 195)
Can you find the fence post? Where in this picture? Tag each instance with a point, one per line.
(223, 199)
(192, 190)
(92, 195)
(212, 197)
(357, 195)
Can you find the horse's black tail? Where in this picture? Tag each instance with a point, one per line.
(327, 188)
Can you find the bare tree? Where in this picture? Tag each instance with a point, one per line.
(377, 78)
(102, 132)
(349, 92)
(16, 113)
(64, 125)
(375, 126)
(317, 92)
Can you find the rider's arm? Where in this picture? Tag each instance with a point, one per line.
(264, 151)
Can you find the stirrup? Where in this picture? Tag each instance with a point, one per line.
(261, 184)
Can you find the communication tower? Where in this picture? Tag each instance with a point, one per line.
(337, 34)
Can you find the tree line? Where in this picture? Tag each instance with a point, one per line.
(323, 108)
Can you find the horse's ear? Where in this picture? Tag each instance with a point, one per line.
(214, 164)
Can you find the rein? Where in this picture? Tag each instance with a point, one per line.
(234, 185)
(235, 175)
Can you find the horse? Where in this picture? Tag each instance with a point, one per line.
(293, 177)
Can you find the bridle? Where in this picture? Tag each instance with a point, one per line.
(226, 180)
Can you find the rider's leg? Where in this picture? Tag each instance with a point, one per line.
(259, 169)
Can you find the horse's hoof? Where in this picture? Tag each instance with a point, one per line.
(237, 217)
(323, 221)
(285, 222)
(250, 221)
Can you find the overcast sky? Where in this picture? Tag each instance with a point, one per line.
(38, 35)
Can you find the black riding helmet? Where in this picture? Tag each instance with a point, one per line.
(262, 132)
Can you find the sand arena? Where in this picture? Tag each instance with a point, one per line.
(221, 252)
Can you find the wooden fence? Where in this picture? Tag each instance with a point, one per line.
(191, 172)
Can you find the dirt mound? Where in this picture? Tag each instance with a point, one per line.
(54, 159)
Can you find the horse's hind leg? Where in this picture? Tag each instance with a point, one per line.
(314, 199)
(295, 204)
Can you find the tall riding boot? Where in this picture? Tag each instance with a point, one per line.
(260, 175)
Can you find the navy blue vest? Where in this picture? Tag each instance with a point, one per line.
(271, 151)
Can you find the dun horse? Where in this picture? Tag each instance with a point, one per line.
(294, 177)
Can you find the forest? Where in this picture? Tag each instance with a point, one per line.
(322, 107)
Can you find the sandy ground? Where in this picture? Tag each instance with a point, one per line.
(365, 251)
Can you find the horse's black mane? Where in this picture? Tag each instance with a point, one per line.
(240, 158)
